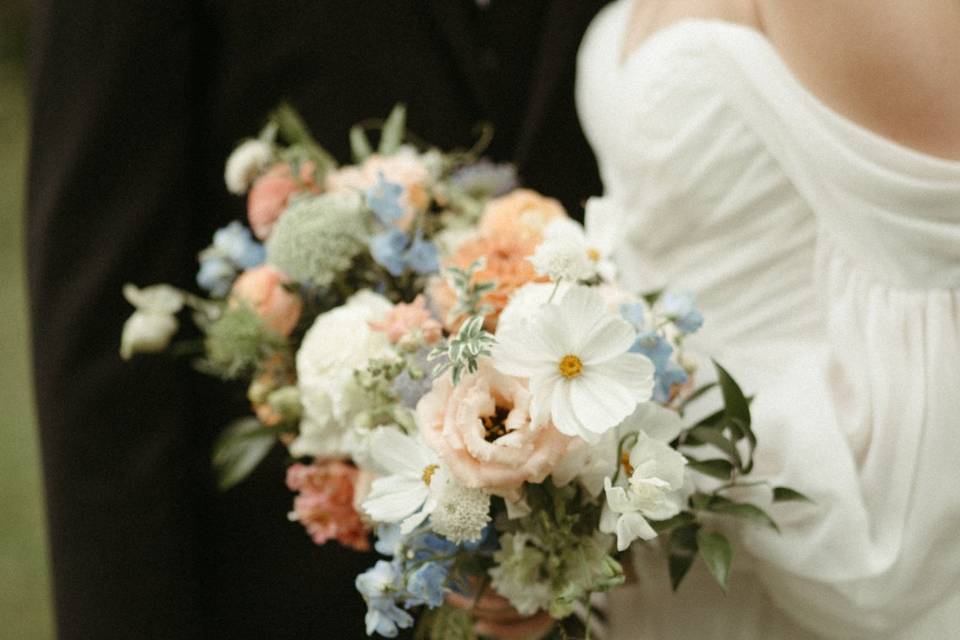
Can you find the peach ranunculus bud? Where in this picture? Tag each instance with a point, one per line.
(410, 321)
(522, 213)
(483, 431)
(271, 193)
(262, 288)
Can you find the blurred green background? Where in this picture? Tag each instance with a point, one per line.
(25, 611)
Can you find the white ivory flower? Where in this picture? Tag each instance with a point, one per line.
(655, 474)
(339, 342)
(404, 494)
(595, 241)
(525, 303)
(461, 512)
(246, 161)
(150, 328)
(576, 356)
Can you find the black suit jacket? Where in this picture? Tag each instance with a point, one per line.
(136, 104)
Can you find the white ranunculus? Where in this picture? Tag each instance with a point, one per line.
(246, 161)
(655, 477)
(159, 298)
(576, 355)
(146, 332)
(339, 342)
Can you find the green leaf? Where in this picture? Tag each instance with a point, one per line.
(696, 394)
(239, 449)
(714, 436)
(743, 511)
(717, 553)
(735, 404)
(716, 468)
(393, 130)
(682, 552)
(785, 494)
(445, 623)
(359, 145)
(294, 130)
(740, 430)
(682, 519)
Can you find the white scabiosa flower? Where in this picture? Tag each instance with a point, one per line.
(563, 258)
(404, 494)
(461, 512)
(246, 161)
(576, 356)
(589, 247)
(655, 474)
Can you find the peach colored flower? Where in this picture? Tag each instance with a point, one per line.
(325, 504)
(506, 263)
(483, 432)
(522, 212)
(271, 193)
(403, 168)
(412, 321)
(262, 288)
(276, 372)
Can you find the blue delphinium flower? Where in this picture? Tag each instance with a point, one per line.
(383, 198)
(216, 275)
(682, 309)
(426, 585)
(422, 256)
(388, 250)
(380, 587)
(635, 314)
(389, 539)
(237, 244)
(668, 373)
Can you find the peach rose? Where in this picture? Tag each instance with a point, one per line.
(506, 263)
(262, 288)
(271, 193)
(411, 321)
(483, 432)
(522, 212)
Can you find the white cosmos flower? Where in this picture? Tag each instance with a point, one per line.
(246, 161)
(576, 356)
(593, 241)
(403, 495)
(563, 258)
(655, 476)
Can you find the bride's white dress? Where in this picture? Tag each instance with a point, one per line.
(827, 262)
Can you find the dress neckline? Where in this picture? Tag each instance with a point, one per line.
(876, 144)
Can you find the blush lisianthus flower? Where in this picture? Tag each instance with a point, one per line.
(522, 213)
(483, 431)
(325, 503)
(263, 290)
(410, 322)
(576, 355)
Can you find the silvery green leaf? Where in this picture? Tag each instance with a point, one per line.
(359, 145)
(394, 130)
(239, 449)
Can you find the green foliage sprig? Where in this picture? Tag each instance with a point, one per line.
(463, 351)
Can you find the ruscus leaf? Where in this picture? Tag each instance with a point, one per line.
(717, 553)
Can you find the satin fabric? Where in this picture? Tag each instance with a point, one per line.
(827, 263)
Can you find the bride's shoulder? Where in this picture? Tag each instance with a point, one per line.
(890, 66)
(646, 17)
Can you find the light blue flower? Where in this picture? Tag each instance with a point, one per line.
(484, 179)
(388, 250)
(422, 256)
(389, 539)
(236, 243)
(216, 275)
(668, 373)
(635, 314)
(380, 586)
(682, 308)
(383, 199)
(426, 585)
(672, 374)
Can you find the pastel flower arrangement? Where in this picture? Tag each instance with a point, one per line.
(459, 380)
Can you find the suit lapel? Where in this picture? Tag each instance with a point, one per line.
(452, 21)
(563, 28)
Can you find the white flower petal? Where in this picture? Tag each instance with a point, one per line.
(400, 454)
(657, 422)
(519, 351)
(600, 403)
(611, 336)
(654, 459)
(631, 526)
(582, 308)
(618, 499)
(632, 370)
(394, 498)
(414, 521)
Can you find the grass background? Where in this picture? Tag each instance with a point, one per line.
(25, 610)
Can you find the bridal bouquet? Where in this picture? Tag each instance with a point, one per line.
(458, 376)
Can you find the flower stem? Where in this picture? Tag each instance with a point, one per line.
(556, 287)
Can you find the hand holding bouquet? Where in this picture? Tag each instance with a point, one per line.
(455, 370)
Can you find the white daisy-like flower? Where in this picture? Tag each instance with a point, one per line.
(150, 328)
(563, 258)
(576, 356)
(403, 495)
(655, 473)
(595, 240)
(246, 161)
(461, 512)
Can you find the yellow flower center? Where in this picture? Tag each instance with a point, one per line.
(593, 254)
(428, 473)
(625, 463)
(570, 366)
